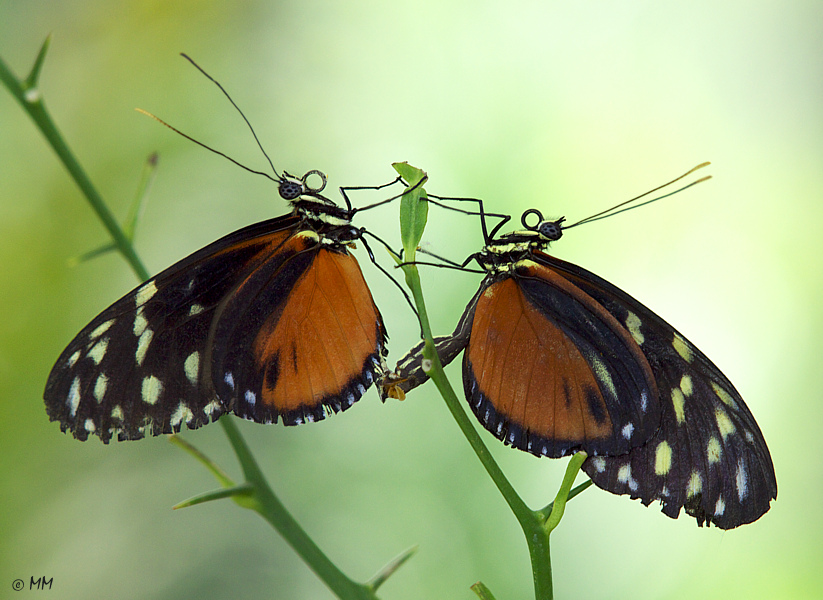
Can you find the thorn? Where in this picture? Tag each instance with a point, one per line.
(31, 82)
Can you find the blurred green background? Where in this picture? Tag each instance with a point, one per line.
(565, 107)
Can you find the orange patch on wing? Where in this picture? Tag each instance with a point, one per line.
(531, 372)
(321, 339)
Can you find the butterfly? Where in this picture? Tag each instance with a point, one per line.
(557, 360)
(271, 322)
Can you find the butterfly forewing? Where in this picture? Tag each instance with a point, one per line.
(548, 370)
(709, 455)
(155, 360)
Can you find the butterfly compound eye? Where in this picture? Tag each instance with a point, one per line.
(289, 190)
(551, 230)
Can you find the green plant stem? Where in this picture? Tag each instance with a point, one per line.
(531, 522)
(268, 505)
(28, 95)
(261, 498)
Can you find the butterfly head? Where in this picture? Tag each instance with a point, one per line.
(547, 231)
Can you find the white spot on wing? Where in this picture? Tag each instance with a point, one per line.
(662, 459)
(89, 426)
(695, 485)
(250, 397)
(742, 480)
(720, 507)
(117, 413)
(73, 359)
(140, 322)
(633, 323)
(181, 413)
(192, 367)
(74, 396)
(145, 293)
(682, 347)
(713, 450)
(151, 390)
(101, 329)
(627, 430)
(679, 404)
(100, 387)
(624, 475)
(229, 379)
(143, 346)
(599, 463)
(211, 407)
(98, 351)
(195, 309)
(724, 423)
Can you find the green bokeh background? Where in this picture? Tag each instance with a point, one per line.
(566, 107)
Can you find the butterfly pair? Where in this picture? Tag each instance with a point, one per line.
(276, 322)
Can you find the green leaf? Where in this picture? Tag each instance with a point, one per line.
(413, 208)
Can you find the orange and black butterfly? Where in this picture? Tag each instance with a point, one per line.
(557, 360)
(273, 321)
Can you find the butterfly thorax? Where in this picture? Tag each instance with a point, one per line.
(331, 222)
(504, 253)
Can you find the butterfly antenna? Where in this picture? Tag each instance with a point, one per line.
(226, 94)
(209, 148)
(610, 212)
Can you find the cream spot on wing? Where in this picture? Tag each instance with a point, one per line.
(724, 396)
(686, 385)
(117, 413)
(100, 387)
(195, 309)
(599, 463)
(192, 367)
(724, 423)
(695, 485)
(73, 359)
(151, 390)
(720, 507)
(742, 480)
(600, 371)
(101, 329)
(624, 475)
(682, 347)
(181, 413)
(143, 346)
(98, 351)
(633, 323)
(145, 293)
(89, 426)
(662, 459)
(713, 450)
(211, 407)
(74, 396)
(679, 401)
(140, 322)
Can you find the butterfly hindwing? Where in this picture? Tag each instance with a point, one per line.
(316, 352)
(709, 455)
(549, 371)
